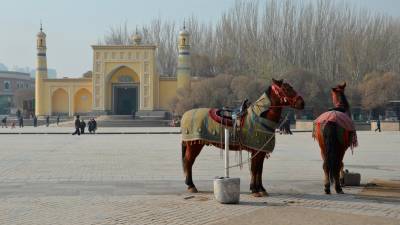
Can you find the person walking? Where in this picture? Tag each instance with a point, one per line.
(58, 119)
(18, 113)
(4, 122)
(34, 121)
(77, 126)
(83, 125)
(378, 124)
(21, 122)
(288, 131)
(47, 121)
(94, 124)
(90, 125)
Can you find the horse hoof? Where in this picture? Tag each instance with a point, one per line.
(192, 190)
(339, 192)
(327, 191)
(264, 193)
(256, 194)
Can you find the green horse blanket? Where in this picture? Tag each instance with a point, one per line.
(254, 132)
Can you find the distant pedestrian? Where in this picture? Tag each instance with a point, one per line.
(58, 119)
(21, 122)
(90, 125)
(35, 121)
(288, 131)
(77, 126)
(94, 123)
(47, 121)
(4, 122)
(378, 125)
(83, 126)
(12, 124)
(18, 113)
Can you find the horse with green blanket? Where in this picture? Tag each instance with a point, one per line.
(252, 130)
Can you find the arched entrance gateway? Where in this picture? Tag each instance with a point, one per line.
(59, 102)
(82, 101)
(124, 91)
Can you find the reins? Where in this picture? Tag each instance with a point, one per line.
(259, 150)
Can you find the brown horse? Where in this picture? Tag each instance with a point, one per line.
(266, 111)
(335, 133)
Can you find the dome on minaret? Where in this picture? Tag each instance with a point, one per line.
(137, 38)
(41, 33)
(41, 38)
(184, 32)
(184, 36)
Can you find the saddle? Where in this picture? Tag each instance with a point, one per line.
(228, 116)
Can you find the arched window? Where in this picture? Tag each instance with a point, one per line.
(125, 79)
(7, 85)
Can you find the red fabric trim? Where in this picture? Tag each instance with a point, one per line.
(222, 120)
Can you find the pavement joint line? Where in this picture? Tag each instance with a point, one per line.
(122, 132)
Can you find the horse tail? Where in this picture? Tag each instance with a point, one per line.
(184, 147)
(331, 154)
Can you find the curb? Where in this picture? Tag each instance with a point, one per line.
(21, 133)
(150, 132)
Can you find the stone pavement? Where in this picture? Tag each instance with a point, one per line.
(137, 179)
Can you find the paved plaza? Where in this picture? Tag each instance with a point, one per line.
(138, 179)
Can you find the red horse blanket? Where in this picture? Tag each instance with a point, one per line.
(347, 132)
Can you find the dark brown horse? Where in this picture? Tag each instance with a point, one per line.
(335, 133)
(269, 108)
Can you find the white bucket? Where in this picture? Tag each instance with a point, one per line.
(227, 190)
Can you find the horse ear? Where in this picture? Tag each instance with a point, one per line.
(278, 82)
(343, 85)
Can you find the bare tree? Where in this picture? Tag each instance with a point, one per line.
(331, 39)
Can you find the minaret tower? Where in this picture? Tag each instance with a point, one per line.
(184, 67)
(41, 71)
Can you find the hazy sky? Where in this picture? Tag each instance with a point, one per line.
(73, 25)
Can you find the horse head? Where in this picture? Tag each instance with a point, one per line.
(282, 94)
(339, 98)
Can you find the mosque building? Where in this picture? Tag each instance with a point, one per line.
(124, 80)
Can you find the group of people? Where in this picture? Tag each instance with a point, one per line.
(80, 126)
(20, 119)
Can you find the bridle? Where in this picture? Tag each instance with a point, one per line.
(283, 98)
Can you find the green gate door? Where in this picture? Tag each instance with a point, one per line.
(125, 100)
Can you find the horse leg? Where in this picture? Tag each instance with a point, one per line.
(338, 183)
(263, 192)
(341, 176)
(255, 181)
(327, 183)
(338, 186)
(189, 154)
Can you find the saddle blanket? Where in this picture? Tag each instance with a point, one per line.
(254, 133)
(346, 129)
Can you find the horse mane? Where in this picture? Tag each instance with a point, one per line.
(268, 92)
(344, 101)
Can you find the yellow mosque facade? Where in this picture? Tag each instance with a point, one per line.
(124, 80)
